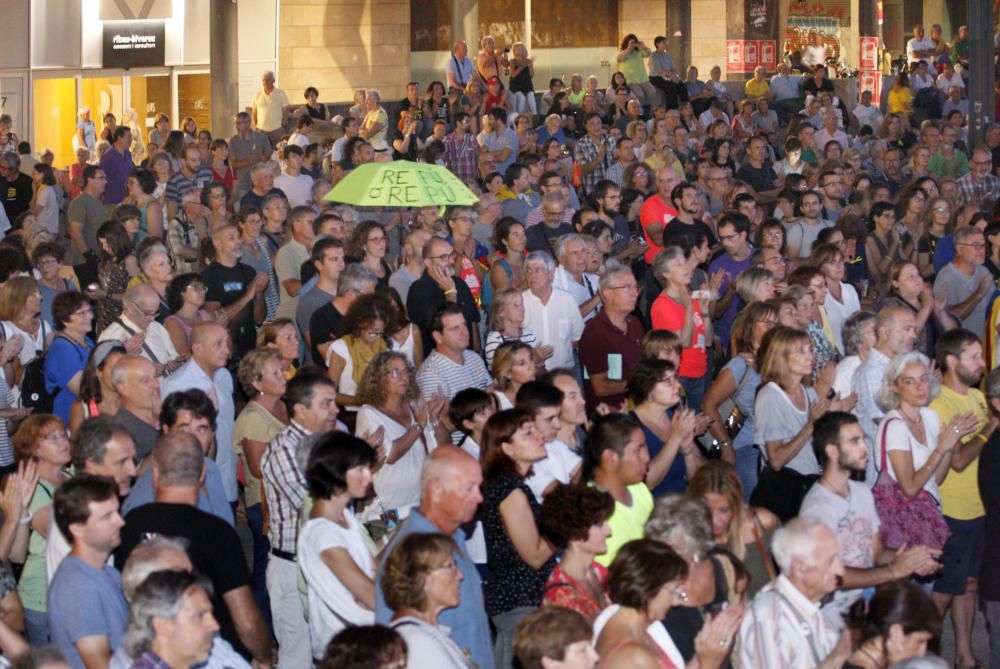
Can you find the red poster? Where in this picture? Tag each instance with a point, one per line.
(750, 55)
(869, 53)
(734, 56)
(768, 55)
(871, 81)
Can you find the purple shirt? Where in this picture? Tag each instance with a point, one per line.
(117, 167)
(726, 263)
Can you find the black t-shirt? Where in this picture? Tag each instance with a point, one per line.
(411, 151)
(425, 296)
(760, 179)
(677, 226)
(226, 285)
(16, 195)
(213, 546)
(543, 238)
(324, 326)
(989, 470)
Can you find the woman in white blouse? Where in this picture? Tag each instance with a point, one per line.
(841, 299)
(919, 448)
(334, 551)
(390, 399)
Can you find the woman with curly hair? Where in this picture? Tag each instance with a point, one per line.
(117, 265)
(186, 298)
(574, 518)
(362, 337)
(411, 424)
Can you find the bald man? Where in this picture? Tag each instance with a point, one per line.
(134, 378)
(449, 483)
(206, 370)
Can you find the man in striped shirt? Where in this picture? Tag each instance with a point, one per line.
(312, 401)
(783, 626)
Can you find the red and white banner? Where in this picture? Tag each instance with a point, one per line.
(743, 55)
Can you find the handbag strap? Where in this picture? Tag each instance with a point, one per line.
(758, 538)
(742, 382)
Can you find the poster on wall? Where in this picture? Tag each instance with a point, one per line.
(871, 81)
(134, 44)
(869, 53)
(751, 35)
(743, 55)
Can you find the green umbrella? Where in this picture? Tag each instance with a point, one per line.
(401, 183)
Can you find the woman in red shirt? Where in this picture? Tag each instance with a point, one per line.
(687, 314)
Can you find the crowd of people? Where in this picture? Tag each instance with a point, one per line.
(703, 380)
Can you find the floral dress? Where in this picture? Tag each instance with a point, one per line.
(113, 278)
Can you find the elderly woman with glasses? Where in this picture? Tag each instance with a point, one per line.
(738, 382)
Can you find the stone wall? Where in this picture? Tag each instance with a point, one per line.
(340, 45)
(708, 30)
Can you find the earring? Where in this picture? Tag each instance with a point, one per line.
(427, 590)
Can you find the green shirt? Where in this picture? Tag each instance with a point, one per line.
(628, 520)
(634, 68)
(33, 584)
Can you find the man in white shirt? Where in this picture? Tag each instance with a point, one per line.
(847, 508)
(138, 329)
(544, 401)
(289, 258)
(783, 626)
(349, 125)
(296, 186)
(206, 370)
(866, 113)
(920, 47)
(552, 314)
(571, 277)
(268, 108)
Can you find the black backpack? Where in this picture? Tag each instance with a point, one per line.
(33, 392)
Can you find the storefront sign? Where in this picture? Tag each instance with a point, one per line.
(743, 55)
(869, 53)
(134, 44)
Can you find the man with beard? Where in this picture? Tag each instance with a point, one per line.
(607, 201)
(687, 200)
(959, 356)
(848, 509)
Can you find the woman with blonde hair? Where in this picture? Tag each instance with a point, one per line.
(784, 412)
(281, 335)
(20, 316)
(512, 367)
(755, 284)
(507, 324)
(744, 530)
(841, 300)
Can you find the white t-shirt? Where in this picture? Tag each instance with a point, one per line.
(297, 189)
(558, 466)
(899, 438)
(944, 83)
(838, 312)
(925, 44)
(33, 344)
(397, 485)
(346, 383)
(777, 419)
(332, 607)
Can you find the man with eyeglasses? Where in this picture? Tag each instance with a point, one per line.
(142, 334)
(831, 190)
(549, 182)
(979, 184)
(734, 233)
(182, 235)
(438, 285)
(965, 284)
(611, 344)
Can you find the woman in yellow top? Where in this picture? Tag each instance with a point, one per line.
(758, 87)
(900, 96)
(632, 65)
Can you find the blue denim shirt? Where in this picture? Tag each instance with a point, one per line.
(469, 627)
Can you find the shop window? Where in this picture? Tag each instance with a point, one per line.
(150, 97)
(54, 118)
(193, 99)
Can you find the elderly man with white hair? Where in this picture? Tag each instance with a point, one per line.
(783, 626)
(138, 330)
(571, 250)
(269, 108)
(552, 314)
